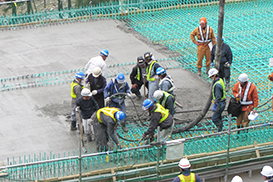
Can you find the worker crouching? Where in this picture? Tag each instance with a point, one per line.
(159, 116)
(186, 175)
(104, 121)
(219, 98)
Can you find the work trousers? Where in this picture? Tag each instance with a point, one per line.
(137, 89)
(166, 133)
(100, 100)
(201, 52)
(101, 134)
(120, 105)
(224, 73)
(242, 119)
(217, 116)
(153, 86)
(86, 123)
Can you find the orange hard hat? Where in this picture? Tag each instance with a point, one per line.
(203, 20)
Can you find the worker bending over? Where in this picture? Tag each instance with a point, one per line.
(166, 100)
(159, 116)
(185, 172)
(137, 76)
(166, 82)
(104, 121)
(152, 78)
(218, 98)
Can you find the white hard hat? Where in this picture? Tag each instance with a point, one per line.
(158, 94)
(267, 171)
(212, 72)
(243, 78)
(237, 179)
(86, 92)
(184, 163)
(96, 72)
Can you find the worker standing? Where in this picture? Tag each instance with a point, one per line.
(267, 173)
(185, 172)
(225, 62)
(98, 61)
(205, 35)
(219, 98)
(137, 76)
(237, 179)
(76, 88)
(159, 116)
(166, 82)
(152, 78)
(87, 105)
(97, 83)
(114, 94)
(246, 93)
(104, 121)
(166, 100)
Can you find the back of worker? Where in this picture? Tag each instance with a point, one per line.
(185, 173)
(104, 122)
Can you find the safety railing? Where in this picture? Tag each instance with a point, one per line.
(98, 166)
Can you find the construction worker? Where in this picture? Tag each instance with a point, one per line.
(205, 35)
(87, 105)
(159, 116)
(270, 77)
(186, 175)
(98, 61)
(166, 82)
(218, 98)
(246, 93)
(166, 100)
(237, 179)
(267, 173)
(104, 122)
(225, 62)
(152, 78)
(137, 76)
(76, 88)
(114, 94)
(97, 83)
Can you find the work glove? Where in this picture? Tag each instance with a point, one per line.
(212, 101)
(87, 85)
(212, 64)
(107, 100)
(213, 107)
(227, 65)
(94, 92)
(77, 109)
(129, 95)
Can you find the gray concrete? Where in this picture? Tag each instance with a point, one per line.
(33, 120)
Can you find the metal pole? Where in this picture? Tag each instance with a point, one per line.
(80, 160)
(220, 33)
(158, 152)
(228, 146)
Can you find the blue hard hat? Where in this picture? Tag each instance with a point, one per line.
(104, 52)
(120, 116)
(147, 104)
(120, 78)
(160, 70)
(80, 75)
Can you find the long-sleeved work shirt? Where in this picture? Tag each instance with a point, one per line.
(96, 62)
(226, 54)
(87, 107)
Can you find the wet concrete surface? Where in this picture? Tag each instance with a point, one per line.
(35, 120)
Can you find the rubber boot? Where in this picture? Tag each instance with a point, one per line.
(199, 72)
(73, 126)
(89, 137)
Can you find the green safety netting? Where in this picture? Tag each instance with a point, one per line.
(248, 31)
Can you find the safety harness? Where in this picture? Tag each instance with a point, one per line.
(165, 97)
(168, 78)
(202, 36)
(73, 84)
(243, 101)
(190, 178)
(221, 82)
(148, 70)
(164, 112)
(108, 111)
